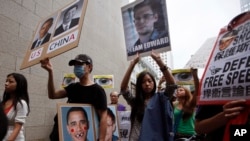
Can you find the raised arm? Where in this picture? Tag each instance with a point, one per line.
(168, 76)
(52, 93)
(196, 86)
(125, 80)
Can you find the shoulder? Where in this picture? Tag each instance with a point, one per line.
(59, 27)
(159, 34)
(75, 21)
(175, 103)
(98, 87)
(22, 103)
(137, 42)
(22, 106)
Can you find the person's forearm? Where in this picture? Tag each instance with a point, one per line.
(15, 132)
(210, 124)
(103, 127)
(125, 80)
(51, 87)
(168, 76)
(196, 86)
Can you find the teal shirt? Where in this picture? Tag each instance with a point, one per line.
(185, 126)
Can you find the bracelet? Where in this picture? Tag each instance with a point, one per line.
(164, 68)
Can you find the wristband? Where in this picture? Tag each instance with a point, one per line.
(164, 68)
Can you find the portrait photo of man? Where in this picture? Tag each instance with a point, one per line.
(145, 25)
(43, 36)
(145, 16)
(76, 122)
(69, 19)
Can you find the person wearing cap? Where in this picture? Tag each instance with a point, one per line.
(85, 91)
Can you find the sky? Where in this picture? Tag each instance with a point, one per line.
(191, 22)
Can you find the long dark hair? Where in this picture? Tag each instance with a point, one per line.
(21, 92)
(137, 111)
(188, 106)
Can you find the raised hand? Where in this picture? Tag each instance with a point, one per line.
(233, 108)
(45, 63)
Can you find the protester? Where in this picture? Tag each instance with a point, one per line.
(184, 109)
(77, 123)
(16, 106)
(85, 91)
(114, 96)
(151, 113)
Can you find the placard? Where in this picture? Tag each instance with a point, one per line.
(56, 34)
(227, 74)
(76, 122)
(183, 76)
(145, 26)
(106, 81)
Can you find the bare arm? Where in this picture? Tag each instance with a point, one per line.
(125, 80)
(103, 124)
(230, 110)
(16, 130)
(196, 86)
(168, 76)
(52, 93)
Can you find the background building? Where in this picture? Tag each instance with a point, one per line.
(167, 59)
(244, 5)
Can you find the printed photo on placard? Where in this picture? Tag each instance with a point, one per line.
(106, 81)
(183, 76)
(43, 35)
(145, 24)
(69, 18)
(68, 78)
(76, 122)
(112, 132)
(56, 34)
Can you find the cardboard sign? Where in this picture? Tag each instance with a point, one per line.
(80, 122)
(106, 81)
(111, 113)
(183, 76)
(56, 34)
(76, 120)
(227, 74)
(143, 39)
(68, 78)
(124, 124)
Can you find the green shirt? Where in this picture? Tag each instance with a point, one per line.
(184, 126)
